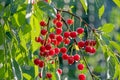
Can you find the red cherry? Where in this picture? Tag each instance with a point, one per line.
(42, 49)
(93, 50)
(49, 75)
(55, 42)
(70, 60)
(48, 46)
(66, 34)
(59, 38)
(54, 21)
(80, 30)
(51, 52)
(49, 40)
(65, 56)
(81, 77)
(73, 34)
(76, 57)
(36, 61)
(52, 35)
(63, 50)
(41, 64)
(40, 75)
(80, 66)
(92, 43)
(70, 21)
(81, 44)
(87, 42)
(38, 39)
(59, 24)
(59, 71)
(46, 1)
(58, 31)
(88, 49)
(57, 50)
(43, 23)
(43, 31)
(58, 16)
(66, 41)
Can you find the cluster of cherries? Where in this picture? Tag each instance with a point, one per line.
(50, 44)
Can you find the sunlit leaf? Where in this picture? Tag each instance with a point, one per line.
(117, 2)
(115, 45)
(101, 11)
(84, 4)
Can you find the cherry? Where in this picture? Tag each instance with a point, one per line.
(46, 1)
(93, 50)
(58, 31)
(55, 21)
(80, 66)
(80, 30)
(81, 77)
(88, 48)
(73, 34)
(76, 57)
(66, 41)
(59, 71)
(87, 42)
(63, 50)
(58, 16)
(36, 61)
(49, 75)
(42, 49)
(48, 40)
(38, 39)
(59, 24)
(59, 38)
(65, 56)
(92, 42)
(48, 46)
(43, 31)
(81, 44)
(57, 50)
(70, 21)
(40, 75)
(55, 42)
(52, 35)
(51, 52)
(41, 64)
(43, 23)
(70, 60)
(66, 34)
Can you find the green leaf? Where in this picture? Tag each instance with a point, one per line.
(84, 4)
(117, 2)
(16, 69)
(101, 11)
(27, 76)
(107, 28)
(115, 45)
(48, 9)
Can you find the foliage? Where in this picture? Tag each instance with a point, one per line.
(19, 25)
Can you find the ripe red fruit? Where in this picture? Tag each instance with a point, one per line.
(63, 50)
(80, 30)
(81, 44)
(55, 42)
(73, 34)
(88, 49)
(70, 21)
(66, 34)
(49, 75)
(66, 41)
(41, 64)
(52, 35)
(48, 40)
(80, 66)
(40, 75)
(58, 16)
(65, 56)
(38, 39)
(59, 38)
(76, 57)
(48, 46)
(59, 24)
(59, 71)
(93, 50)
(43, 23)
(51, 52)
(36, 61)
(58, 31)
(57, 50)
(43, 31)
(70, 60)
(92, 43)
(42, 49)
(87, 42)
(81, 77)
(54, 21)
